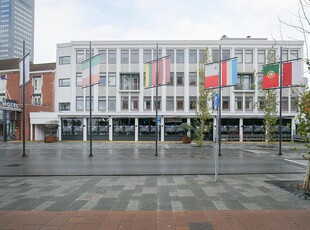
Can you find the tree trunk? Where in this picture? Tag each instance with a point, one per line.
(306, 184)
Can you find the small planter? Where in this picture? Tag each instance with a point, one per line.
(186, 139)
(50, 139)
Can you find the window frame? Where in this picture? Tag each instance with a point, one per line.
(63, 60)
(63, 80)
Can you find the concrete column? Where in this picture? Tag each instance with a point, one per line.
(84, 129)
(293, 128)
(110, 128)
(31, 132)
(162, 129)
(136, 129)
(241, 129)
(189, 132)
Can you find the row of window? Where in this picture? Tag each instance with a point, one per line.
(172, 103)
(177, 55)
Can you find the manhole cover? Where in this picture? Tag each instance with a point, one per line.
(13, 165)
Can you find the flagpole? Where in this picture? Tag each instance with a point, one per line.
(280, 112)
(156, 119)
(90, 107)
(24, 103)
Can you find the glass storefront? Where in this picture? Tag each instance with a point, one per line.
(72, 129)
(147, 129)
(173, 131)
(8, 125)
(123, 129)
(100, 129)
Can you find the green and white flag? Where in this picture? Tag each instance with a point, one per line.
(95, 61)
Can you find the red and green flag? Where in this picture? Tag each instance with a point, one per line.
(95, 61)
(271, 76)
(163, 72)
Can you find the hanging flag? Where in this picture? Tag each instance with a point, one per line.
(3, 77)
(270, 76)
(27, 69)
(95, 78)
(292, 73)
(163, 72)
(229, 74)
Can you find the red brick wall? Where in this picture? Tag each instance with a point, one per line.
(15, 93)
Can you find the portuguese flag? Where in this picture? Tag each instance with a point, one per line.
(271, 76)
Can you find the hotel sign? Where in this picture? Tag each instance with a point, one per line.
(9, 103)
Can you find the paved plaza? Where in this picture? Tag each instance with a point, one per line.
(242, 200)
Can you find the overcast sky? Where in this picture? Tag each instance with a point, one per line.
(64, 21)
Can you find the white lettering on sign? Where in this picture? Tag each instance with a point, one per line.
(9, 103)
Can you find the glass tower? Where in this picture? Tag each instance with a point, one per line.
(16, 26)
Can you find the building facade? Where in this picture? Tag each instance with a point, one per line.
(39, 97)
(16, 26)
(123, 109)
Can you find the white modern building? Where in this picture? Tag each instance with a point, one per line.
(124, 110)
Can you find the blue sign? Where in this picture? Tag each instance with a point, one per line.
(216, 101)
(158, 120)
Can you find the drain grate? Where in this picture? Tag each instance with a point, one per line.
(13, 165)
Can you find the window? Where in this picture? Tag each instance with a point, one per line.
(225, 105)
(130, 82)
(78, 79)
(248, 56)
(179, 56)
(134, 103)
(102, 103)
(124, 56)
(37, 82)
(170, 52)
(103, 56)
(192, 56)
(271, 56)
(239, 103)
(294, 54)
(112, 79)
(79, 56)
(112, 103)
(192, 103)
(284, 103)
(88, 104)
(134, 56)
(172, 78)
(36, 99)
(260, 78)
(103, 79)
(203, 56)
(180, 79)
(170, 103)
(261, 103)
(215, 55)
(64, 60)
(294, 101)
(261, 56)
(155, 55)
(245, 82)
(65, 82)
(124, 103)
(248, 103)
(147, 103)
(147, 55)
(225, 54)
(87, 53)
(112, 56)
(79, 103)
(239, 55)
(284, 55)
(64, 106)
(158, 103)
(192, 78)
(180, 103)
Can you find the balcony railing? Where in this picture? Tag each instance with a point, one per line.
(245, 87)
(130, 87)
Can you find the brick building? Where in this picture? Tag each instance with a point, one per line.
(39, 97)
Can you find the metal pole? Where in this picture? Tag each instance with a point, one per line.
(280, 112)
(156, 102)
(220, 100)
(4, 134)
(90, 107)
(24, 103)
